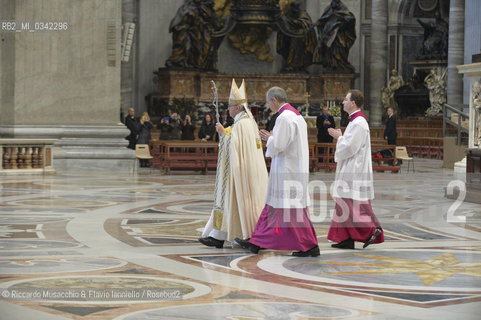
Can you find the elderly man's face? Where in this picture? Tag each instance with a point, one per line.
(234, 109)
(271, 104)
(131, 112)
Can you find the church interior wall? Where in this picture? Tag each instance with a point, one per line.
(67, 77)
(128, 72)
(7, 69)
(154, 43)
(65, 84)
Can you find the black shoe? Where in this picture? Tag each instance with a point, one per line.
(372, 238)
(346, 244)
(247, 245)
(243, 243)
(211, 242)
(314, 252)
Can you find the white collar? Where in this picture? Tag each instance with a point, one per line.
(237, 117)
(350, 115)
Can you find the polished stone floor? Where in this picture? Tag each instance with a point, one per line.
(84, 246)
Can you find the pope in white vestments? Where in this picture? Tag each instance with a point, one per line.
(241, 178)
(353, 189)
(285, 223)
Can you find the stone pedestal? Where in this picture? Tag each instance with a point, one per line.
(460, 166)
(82, 148)
(197, 85)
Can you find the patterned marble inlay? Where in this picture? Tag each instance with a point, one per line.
(245, 311)
(36, 244)
(137, 284)
(52, 265)
(140, 231)
(458, 271)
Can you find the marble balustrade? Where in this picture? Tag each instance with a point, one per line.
(26, 154)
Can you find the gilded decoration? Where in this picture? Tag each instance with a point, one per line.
(250, 39)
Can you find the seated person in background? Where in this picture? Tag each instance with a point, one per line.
(144, 135)
(165, 128)
(225, 119)
(207, 129)
(188, 129)
(176, 125)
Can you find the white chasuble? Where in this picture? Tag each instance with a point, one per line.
(241, 182)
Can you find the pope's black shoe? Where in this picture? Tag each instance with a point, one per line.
(247, 245)
(346, 244)
(372, 238)
(314, 252)
(211, 242)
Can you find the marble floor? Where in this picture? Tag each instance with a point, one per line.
(85, 246)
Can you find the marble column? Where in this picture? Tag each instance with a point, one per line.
(64, 83)
(378, 63)
(455, 51)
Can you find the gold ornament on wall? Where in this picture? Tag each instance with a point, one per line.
(222, 8)
(250, 39)
(253, 40)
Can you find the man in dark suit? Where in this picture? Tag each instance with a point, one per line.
(390, 133)
(323, 122)
(134, 126)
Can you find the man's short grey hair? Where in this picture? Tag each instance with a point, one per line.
(278, 93)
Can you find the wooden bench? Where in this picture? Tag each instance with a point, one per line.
(198, 155)
(184, 155)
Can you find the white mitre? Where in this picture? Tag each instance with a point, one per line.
(238, 95)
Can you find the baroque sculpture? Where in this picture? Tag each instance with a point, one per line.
(197, 32)
(297, 51)
(435, 43)
(387, 93)
(436, 83)
(476, 92)
(336, 35)
(192, 34)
